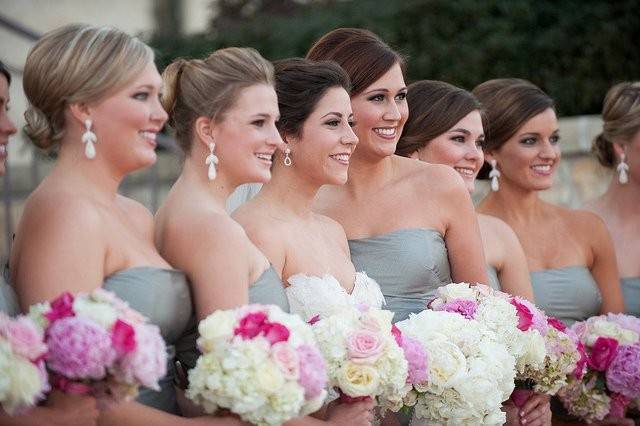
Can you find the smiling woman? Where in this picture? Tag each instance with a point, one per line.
(569, 252)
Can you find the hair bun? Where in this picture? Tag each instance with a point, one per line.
(603, 149)
(38, 128)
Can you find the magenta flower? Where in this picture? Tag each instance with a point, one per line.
(314, 319)
(313, 371)
(602, 353)
(623, 374)
(525, 316)
(61, 307)
(79, 348)
(618, 405)
(397, 334)
(466, 308)
(275, 332)
(251, 325)
(123, 338)
(582, 362)
(556, 323)
(417, 359)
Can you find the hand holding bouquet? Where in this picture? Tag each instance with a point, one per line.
(259, 363)
(100, 346)
(23, 377)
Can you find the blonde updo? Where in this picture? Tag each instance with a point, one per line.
(207, 88)
(76, 64)
(621, 115)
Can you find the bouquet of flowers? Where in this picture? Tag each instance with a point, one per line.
(98, 345)
(611, 383)
(259, 363)
(470, 372)
(364, 359)
(23, 377)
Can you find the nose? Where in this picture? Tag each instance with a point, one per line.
(275, 139)
(6, 125)
(349, 138)
(473, 152)
(549, 151)
(158, 113)
(392, 112)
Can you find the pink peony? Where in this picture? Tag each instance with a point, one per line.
(286, 358)
(525, 316)
(623, 374)
(79, 348)
(466, 308)
(364, 346)
(251, 325)
(24, 337)
(602, 353)
(275, 332)
(123, 338)
(148, 363)
(417, 359)
(556, 323)
(61, 307)
(313, 371)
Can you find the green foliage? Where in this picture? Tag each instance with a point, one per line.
(573, 49)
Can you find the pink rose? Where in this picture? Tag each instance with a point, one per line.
(251, 325)
(364, 346)
(602, 353)
(525, 317)
(275, 332)
(61, 307)
(556, 323)
(286, 358)
(23, 336)
(123, 338)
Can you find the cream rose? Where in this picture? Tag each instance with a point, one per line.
(358, 380)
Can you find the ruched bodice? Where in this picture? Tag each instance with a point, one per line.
(311, 295)
(494, 282)
(267, 290)
(8, 299)
(163, 296)
(631, 292)
(569, 294)
(408, 264)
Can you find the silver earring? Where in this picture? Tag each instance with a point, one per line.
(211, 161)
(494, 174)
(89, 139)
(623, 170)
(287, 159)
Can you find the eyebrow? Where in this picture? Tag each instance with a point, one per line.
(332, 113)
(538, 134)
(461, 130)
(147, 86)
(384, 90)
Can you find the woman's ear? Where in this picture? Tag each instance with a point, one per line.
(80, 112)
(203, 131)
(618, 149)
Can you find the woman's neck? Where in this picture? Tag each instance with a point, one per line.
(291, 190)
(512, 203)
(195, 172)
(625, 197)
(368, 174)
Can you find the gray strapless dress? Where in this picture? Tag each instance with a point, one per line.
(494, 282)
(163, 296)
(8, 299)
(267, 290)
(408, 264)
(569, 294)
(631, 292)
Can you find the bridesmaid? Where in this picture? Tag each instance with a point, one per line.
(445, 127)
(308, 250)
(61, 409)
(225, 106)
(410, 234)
(569, 252)
(618, 146)
(77, 233)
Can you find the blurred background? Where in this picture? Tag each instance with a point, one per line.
(573, 49)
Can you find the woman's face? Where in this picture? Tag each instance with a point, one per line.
(247, 137)
(126, 123)
(459, 148)
(7, 128)
(380, 112)
(323, 149)
(530, 157)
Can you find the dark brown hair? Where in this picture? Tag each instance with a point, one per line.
(508, 104)
(4, 71)
(621, 116)
(434, 108)
(359, 52)
(300, 84)
(209, 87)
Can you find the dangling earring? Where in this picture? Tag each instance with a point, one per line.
(211, 161)
(287, 159)
(89, 139)
(623, 169)
(494, 174)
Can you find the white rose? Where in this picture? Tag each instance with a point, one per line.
(447, 364)
(105, 315)
(218, 325)
(457, 291)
